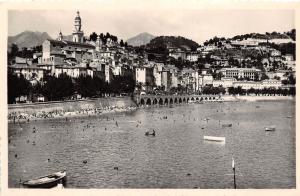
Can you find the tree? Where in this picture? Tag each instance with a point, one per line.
(37, 89)
(102, 37)
(16, 86)
(291, 79)
(122, 84)
(217, 76)
(85, 86)
(93, 37)
(13, 53)
(56, 89)
(121, 43)
(264, 76)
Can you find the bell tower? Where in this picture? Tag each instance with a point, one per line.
(77, 34)
(60, 36)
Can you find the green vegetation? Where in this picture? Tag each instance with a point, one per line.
(161, 43)
(23, 53)
(16, 87)
(213, 90)
(94, 35)
(64, 87)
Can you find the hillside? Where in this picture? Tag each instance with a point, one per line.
(162, 43)
(28, 39)
(274, 35)
(140, 39)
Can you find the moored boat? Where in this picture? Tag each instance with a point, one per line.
(227, 125)
(48, 181)
(270, 128)
(213, 138)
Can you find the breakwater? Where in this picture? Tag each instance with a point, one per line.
(57, 109)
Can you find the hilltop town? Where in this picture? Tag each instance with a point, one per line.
(79, 66)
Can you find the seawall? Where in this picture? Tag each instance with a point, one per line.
(71, 106)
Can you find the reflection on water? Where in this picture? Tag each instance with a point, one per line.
(177, 157)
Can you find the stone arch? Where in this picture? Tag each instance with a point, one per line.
(161, 101)
(148, 102)
(214, 98)
(187, 100)
(142, 102)
(197, 98)
(180, 100)
(175, 100)
(201, 99)
(166, 101)
(154, 101)
(184, 100)
(205, 98)
(192, 99)
(171, 101)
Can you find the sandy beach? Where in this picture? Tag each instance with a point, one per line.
(66, 114)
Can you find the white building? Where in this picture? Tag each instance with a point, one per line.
(140, 75)
(275, 53)
(157, 73)
(247, 85)
(205, 79)
(258, 85)
(271, 84)
(241, 73)
(192, 57)
(224, 82)
(73, 72)
(29, 72)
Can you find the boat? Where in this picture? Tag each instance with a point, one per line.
(148, 133)
(227, 125)
(270, 128)
(49, 181)
(213, 138)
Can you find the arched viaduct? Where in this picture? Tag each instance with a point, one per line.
(173, 99)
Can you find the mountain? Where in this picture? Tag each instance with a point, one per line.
(28, 39)
(140, 39)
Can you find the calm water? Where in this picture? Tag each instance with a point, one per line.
(263, 159)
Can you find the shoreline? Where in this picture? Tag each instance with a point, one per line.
(23, 117)
(251, 98)
(58, 114)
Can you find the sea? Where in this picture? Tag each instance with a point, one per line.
(112, 150)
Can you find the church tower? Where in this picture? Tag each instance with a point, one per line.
(78, 34)
(98, 43)
(60, 36)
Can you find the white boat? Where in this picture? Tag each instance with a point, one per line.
(213, 138)
(48, 181)
(270, 128)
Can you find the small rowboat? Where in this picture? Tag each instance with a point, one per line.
(270, 129)
(227, 125)
(213, 138)
(48, 181)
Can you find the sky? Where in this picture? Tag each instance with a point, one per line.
(198, 25)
